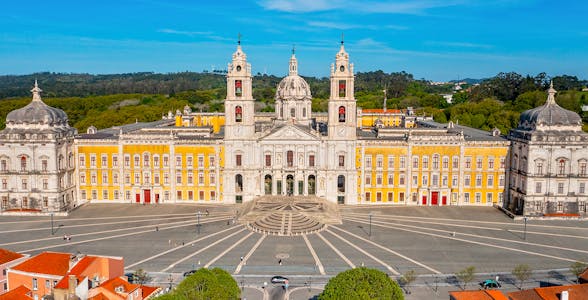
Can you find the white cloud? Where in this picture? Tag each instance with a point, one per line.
(180, 32)
(346, 26)
(299, 6)
(374, 6)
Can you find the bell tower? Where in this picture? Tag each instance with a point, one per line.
(342, 105)
(239, 104)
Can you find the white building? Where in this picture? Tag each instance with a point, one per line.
(36, 158)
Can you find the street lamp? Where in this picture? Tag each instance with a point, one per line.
(171, 280)
(52, 232)
(525, 232)
(370, 233)
(198, 221)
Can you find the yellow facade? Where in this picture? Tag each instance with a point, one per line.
(149, 173)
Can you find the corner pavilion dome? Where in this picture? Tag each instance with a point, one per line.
(293, 87)
(37, 112)
(548, 115)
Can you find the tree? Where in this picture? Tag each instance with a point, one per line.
(141, 277)
(578, 268)
(466, 275)
(206, 284)
(521, 272)
(361, 283)
(407, 279)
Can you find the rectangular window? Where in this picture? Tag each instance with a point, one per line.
(166, 195)
(368, 179)
(478, 197)
(435, 179)
(466, 197)
(190, 195)
(435, 162)
(455, 163)
(82, 163)
(502, 162)
(415, 162)
(190, 178)
(311, 160)
(501, 180)
(425, 162)
(178, 161)
(165, 178)
(82, 180)
(582, 188)
(466, 181)
(415, 180)
(83, 195)
(368, 196)
(179, 178)
(379, 196)
(104, 161)
(116, 195)
(105, 178)
(341, 160)
(268, 160)
(212, 178)
(368, 162)
(402, 162)
(454, 181)
(401, 180)
(200, 161)
(94, 195)
(211, 161)
(179, 195)
(390, 179)
(156, 161)
(166, 161)
(479, 163)
(104, 195)
(401, 196)
(92, 160)
(489, 198)
(128, 195)
(201, 195)
(444, 179)
(490, 180)
(212, 196)
(189, 161)
(44, 165)
(115, 161)
(538, 187)
(390, 162)
(425, 180)
(156, 178)
(35, 285)
(468, 162)
(379, 179)
(238, 160)
(478, 180)
(127, 161)
(201, 178)
(137, 178)
(137, 162)
(560, 188)
(24, 183)
(491, 163)
(379, 161)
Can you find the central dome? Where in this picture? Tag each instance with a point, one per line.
(548, 115)
(37, 112)
(293, 87)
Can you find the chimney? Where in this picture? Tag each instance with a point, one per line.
(72, 284)
(564, 295)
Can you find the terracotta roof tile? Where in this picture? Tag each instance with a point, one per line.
(147, 291)
(7, 256)
(576, 292)
(77, 270)
(584, 276)
(52, 263)
(478, 295)
(19, 293)
(111, 284)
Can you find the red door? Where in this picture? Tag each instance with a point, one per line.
(156, 198)
(434, 198)
(424, 200)
(138, 198)
(147, 196)
(444, 200)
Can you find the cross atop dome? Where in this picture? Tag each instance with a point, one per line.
(36, 92)
(293, 63)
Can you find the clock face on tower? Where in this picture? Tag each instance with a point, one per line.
(341, 131)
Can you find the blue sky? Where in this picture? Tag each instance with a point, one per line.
(432, 39)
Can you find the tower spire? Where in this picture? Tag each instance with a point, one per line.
(342, 38)
(239, 39)
(551, 94)
(293, 63)
(36, 92)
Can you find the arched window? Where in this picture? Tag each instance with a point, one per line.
(238, 88)
(238, 114)
(293, 112)
(342, 88)
(341, 184)
(311, 185)
(238, 183)
(23, 163)
(561, 167)
(290, 158)
(268, 184)
(341, 114)
(304, 112)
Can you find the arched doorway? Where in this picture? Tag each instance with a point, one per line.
(239, 183)
(290, 185)
(268, 184)
(311, 185)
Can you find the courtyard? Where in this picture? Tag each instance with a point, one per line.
(435, 242)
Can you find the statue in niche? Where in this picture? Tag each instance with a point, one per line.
(322, 183)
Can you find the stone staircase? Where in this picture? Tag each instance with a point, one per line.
(289, 215)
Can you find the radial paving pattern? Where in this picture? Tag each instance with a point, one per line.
(289, 216)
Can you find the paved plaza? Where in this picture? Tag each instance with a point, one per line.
(435, 242)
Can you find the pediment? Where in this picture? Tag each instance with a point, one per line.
(290, 133)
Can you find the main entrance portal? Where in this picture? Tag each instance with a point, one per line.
(290, 185)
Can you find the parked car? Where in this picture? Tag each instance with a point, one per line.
(279, 280)
(186, 274)
(490, 284)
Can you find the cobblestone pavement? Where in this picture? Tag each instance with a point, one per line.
(432, 241)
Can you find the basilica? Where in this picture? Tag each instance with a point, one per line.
(347, 156)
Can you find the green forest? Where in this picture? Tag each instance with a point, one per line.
(110, 100)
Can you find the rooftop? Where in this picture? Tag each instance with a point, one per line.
(19, 293)
(8, 256)
(52, 263)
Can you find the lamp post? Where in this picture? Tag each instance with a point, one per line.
(370, 233)
(171, 280)
(525, 232)
(198, 221)
(52, 232)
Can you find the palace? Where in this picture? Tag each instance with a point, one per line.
(348, 156)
